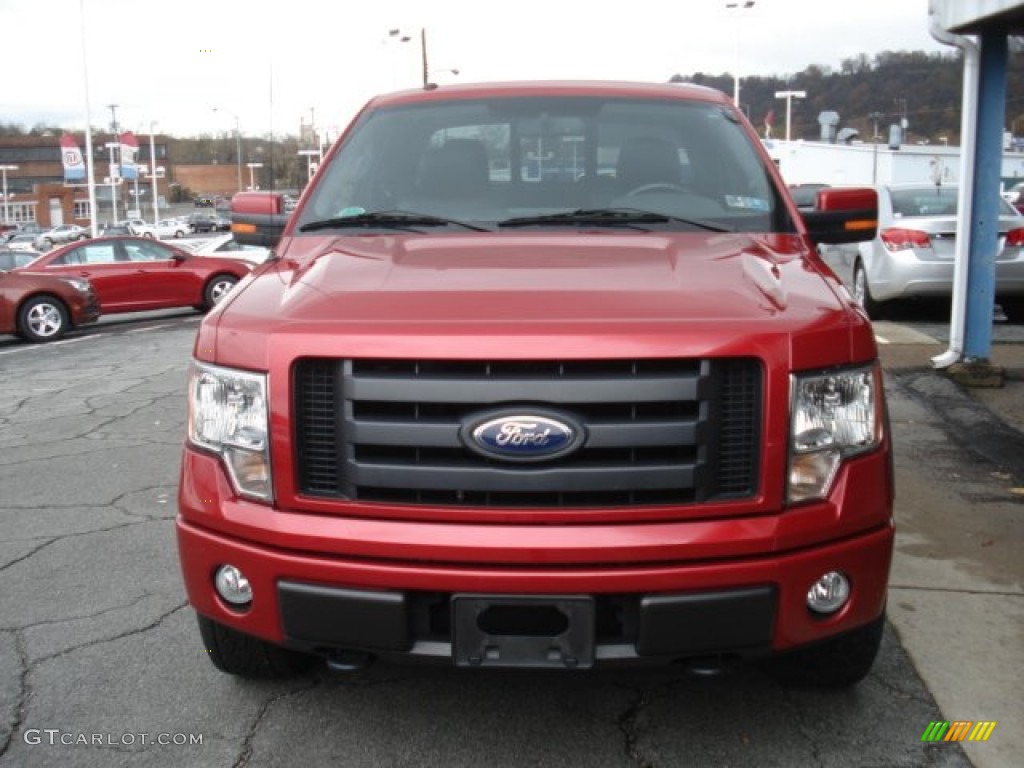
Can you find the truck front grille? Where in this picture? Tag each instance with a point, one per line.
(659, 431)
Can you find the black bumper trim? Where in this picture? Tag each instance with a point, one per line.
(327, 620)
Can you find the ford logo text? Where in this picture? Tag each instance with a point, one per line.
(522, 435)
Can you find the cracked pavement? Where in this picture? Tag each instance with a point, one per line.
(96, 638)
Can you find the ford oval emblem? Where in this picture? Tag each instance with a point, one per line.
(525, 435)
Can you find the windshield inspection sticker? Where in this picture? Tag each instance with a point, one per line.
(753, 203)
(352, 210)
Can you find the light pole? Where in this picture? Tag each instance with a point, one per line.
(789, 96)
(424, 66)
(4, 169)
(152, 169)
(238, 146)
(738, 5)
(113, 178)
(252, 170)
(310, 166)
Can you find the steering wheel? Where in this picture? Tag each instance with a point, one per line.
(663, 186)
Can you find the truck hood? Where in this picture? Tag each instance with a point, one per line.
(532, 286)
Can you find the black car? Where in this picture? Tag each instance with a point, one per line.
(208, 222)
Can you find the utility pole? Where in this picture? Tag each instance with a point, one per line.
(874, 117)
(115, 160)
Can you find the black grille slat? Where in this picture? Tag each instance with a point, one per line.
(490, 390)
(489, 478)
(658, 431)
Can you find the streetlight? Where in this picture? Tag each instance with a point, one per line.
(238, 145)
(252, 170)
(113, 178)
(4, 169)
(744, 5)
(405, 38)
(153, 170)
(789, 96)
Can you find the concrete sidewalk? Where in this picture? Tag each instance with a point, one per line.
(957, 589)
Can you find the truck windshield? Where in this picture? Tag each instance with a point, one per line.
(499, 160)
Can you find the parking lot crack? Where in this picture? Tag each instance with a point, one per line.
(806, 731)
(245, 755)
(627, 724)
(23, 692)
(119, 636)
(78, 617)
(28, 554)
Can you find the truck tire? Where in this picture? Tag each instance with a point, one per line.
(43, 318)
(839, 662)
(244, 656)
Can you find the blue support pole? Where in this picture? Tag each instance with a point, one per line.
(988, 163)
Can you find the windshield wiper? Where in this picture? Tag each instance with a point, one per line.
(406, 220)
(611, 217)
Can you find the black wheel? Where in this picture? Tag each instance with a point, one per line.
(42, 318)
(218, 287)
(1013, 308)
(179, 233)
(862, 292)
(246, 656)
(835, 663)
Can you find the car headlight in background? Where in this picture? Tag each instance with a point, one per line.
(80, 285)
(834, 415)
(227, 414)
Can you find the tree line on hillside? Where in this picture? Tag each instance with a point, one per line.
(925, 88)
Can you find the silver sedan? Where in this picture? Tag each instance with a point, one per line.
(912, 254)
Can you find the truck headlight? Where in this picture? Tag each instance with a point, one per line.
(834, 415)
(227, 414)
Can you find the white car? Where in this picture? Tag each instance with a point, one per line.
(139, 227)
(168, 228)
(225, 245)
(59, 235)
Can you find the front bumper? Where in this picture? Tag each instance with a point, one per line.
(653, 591)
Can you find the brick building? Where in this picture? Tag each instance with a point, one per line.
(36, 191)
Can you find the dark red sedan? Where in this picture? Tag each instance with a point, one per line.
(134, 274)
(43, 307)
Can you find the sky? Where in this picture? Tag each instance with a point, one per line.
(189, 67)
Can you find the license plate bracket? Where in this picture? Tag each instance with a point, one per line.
(550, 631)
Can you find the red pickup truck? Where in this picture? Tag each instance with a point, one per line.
(541, 375)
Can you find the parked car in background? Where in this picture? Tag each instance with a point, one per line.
(168, 228)
(113, 230)
(1015, 196)
(11, 258)
(62, 233)
(226, 245)
(911, 256)
(45, 307)
(132, 274)
(208, 222)
(22, 242)
(139, 227)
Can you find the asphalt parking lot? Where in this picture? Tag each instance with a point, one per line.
(101, 662)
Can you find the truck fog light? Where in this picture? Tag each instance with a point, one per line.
(232, 586)
(829, 593)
